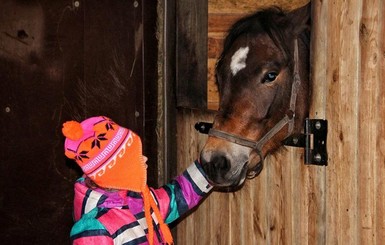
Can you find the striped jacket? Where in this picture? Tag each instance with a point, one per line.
(103, 217)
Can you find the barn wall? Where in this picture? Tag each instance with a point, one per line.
(349, 54)
(290, 203)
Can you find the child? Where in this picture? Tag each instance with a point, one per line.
(113, 204)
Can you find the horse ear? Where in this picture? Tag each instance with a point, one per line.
(300, 19)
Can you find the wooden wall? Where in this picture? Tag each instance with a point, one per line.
(349, 69)
(290, 203)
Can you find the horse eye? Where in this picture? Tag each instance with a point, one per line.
(270, 77)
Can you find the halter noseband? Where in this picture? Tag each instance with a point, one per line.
(287, 119)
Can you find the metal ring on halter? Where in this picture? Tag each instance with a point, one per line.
(258, 168)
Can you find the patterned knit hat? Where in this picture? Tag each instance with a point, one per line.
(112, 157)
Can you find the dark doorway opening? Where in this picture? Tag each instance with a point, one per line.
(64, 60)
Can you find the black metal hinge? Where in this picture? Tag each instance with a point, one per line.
(313, 141)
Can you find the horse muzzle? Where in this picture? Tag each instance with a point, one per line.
(222, 171)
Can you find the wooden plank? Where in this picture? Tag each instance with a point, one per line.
(269, 200)
(221, 22)
(249, 212)
(379, 175)
(319, 59)
(248, 6)
(260, 220)
(343, 68)
(299, 215)
(289, 162)
(212, 216)
(212, 88)
(368, 120)
(316, 216)
(240, 216)
(332, 77)
(215, 45)
(191, 54)
(166, 123)
(317, 175)
(150, 78)
(220, 220)
(276, 207)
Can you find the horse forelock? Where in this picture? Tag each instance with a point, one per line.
(270, 21)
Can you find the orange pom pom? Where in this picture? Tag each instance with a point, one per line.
(72, 130)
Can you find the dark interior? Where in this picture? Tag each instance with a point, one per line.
(67, 60)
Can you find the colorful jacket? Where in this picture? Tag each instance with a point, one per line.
(118, 217)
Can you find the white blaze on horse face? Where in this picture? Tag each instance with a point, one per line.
(238, 60)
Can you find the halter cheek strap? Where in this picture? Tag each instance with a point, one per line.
(257, 146)
(295, 86)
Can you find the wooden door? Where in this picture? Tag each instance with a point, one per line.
(62, 60)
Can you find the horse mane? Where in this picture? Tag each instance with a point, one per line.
(271, 21)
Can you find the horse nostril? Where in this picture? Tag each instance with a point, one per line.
(205, 166)
(221, 163)
(217, 167)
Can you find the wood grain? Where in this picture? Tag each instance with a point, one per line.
(191, 54)
(379, 171)
(291, 203)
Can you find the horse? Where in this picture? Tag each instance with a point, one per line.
(264, 88)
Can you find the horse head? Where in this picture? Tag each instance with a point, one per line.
(263, 81)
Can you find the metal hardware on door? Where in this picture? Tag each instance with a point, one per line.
(313, 140)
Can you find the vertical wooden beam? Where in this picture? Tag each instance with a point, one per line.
(208, 223)
(368, 119)
(191, 54)
(316, 186)
(379, 170)
(166, 123)
(343, 75)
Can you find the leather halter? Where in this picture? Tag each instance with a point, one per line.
(287, 119)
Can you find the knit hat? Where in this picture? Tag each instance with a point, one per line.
(112, 157)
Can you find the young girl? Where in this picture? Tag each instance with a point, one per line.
(113, 204)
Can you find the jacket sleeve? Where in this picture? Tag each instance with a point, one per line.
(183, 193)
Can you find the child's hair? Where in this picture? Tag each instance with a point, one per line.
(92, 185)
